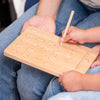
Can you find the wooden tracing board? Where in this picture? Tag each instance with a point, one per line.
(43, 51)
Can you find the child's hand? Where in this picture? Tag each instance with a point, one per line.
(97, 61)
(71, 81)
(75, 35)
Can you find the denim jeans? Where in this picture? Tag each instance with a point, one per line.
(32, 83)
(9, 67)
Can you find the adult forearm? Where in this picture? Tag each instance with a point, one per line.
(93, 34)
(48, 8)
(91, 82)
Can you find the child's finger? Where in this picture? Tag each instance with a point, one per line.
(93, 65)
(67, 38)
(96, 63)
(61, 76)
(72, 41)
(64, 31)
(97, 47)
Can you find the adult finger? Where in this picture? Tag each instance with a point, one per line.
(24, 27)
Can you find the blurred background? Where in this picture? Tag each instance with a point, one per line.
(10, 10)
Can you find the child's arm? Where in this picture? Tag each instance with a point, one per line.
(82, 35)
(75, 81)
(91, 82)
(93, 34)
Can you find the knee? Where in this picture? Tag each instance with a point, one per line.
(27, 84)
(23, 84)
(53, 88)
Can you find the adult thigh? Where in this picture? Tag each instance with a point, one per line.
(32, 82)
(8, 67)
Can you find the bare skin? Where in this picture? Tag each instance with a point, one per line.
(71, 81)
(42, 23)
(74, 81)
(81, 36)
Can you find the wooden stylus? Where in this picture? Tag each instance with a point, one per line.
(68, 25)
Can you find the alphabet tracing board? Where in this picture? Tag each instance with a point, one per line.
(42, 50)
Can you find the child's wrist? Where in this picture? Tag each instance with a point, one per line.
(85, 82)
(82, 85)
(89, 37)
(85, 36)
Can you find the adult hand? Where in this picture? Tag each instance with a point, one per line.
(97, 61)
(44, 23)
(71, 81)
(75, 35)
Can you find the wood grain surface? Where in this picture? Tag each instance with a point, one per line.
(42, 50)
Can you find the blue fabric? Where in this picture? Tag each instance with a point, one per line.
(30, 3)
(9, 67)
(81, 95)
